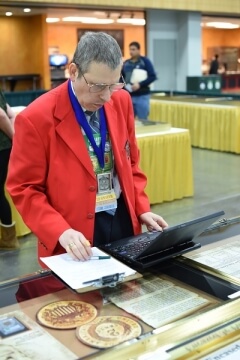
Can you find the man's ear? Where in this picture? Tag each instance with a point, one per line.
(73, 71)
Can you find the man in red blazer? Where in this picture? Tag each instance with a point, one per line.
(76, 185)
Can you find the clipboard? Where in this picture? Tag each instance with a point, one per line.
(109, 281)
(80, 276)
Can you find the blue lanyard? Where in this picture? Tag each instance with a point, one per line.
(81, 119)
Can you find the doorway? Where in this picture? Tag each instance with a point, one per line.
(164, 60)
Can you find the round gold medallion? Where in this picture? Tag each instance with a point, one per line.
(106, 331)
(66, 314)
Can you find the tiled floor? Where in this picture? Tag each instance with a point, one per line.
(217, 187)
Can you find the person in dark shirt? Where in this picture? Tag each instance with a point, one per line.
(139, 73)
(214, 66)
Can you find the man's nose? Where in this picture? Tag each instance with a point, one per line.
(106, 94)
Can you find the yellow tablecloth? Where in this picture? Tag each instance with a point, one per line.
(21, 228)
(215, 127)
(166, 159)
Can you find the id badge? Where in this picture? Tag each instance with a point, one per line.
(104, 181)
(106, 197)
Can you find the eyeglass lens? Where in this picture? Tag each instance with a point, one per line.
(101, 87)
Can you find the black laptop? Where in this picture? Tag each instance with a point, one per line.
(150, 248)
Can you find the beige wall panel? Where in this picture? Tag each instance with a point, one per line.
(220, 6)
(219, 38)
(24, 44)
(64, 36)
(23, 48)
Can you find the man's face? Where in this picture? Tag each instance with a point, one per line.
(96, 74)
(134, 52)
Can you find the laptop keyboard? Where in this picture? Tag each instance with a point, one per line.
(135, 247)
(129, 250)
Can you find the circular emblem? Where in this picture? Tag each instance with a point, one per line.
(107, 331)
(66, 314)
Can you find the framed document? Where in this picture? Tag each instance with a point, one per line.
(116, 34)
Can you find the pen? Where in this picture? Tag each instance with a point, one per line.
(100, 257)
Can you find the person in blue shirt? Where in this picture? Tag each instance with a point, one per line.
(139, 73)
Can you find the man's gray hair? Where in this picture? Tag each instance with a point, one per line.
(97, 47)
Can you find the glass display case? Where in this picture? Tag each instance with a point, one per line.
(177, 310)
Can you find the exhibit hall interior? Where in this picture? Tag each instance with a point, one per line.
(177, 296)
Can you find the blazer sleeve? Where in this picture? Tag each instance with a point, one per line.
(26, 183)
(151, 73)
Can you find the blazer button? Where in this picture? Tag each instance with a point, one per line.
(92, 188)
(90, 216)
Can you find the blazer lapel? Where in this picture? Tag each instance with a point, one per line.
(69, 130)
(114, 129)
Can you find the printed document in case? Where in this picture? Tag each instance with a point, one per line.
(22, 338)
(75, 273)
(222, 259)
(156, 301)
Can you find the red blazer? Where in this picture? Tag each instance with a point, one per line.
(51, 178)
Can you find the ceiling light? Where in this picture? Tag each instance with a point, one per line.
(26, 10)
(88, 20)
(78, 18)
(131, 21)
(8, 13)
(52, 20)
(141, 22)
(98, 21)
(222, 25)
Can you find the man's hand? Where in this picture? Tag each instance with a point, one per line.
(135, 86)
(76, 244)
(153, 221)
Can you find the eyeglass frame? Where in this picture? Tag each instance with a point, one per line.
(90, 86)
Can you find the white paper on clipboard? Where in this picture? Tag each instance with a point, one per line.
(76, 273)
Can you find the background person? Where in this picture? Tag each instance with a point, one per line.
(8, 239)
(138, 81)
(214, 66)
(59, 158)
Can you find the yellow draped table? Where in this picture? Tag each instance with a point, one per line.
(212, 126)
(166, 159)
(21, 228)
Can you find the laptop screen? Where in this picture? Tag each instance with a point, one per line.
(172, 237)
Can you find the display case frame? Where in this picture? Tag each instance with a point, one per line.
(212, 328)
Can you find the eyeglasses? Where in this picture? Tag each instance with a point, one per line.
(100, 87)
